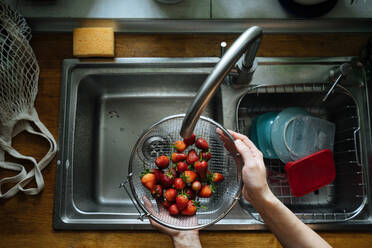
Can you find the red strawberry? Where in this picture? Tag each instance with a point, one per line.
(192, 157)
(201, 168)
(189, 141)
(181, 201)
(162, 162)
(173, 210)
(196, 186)
(190, 193)
(205, 155)
(178, 156)
(166, 179)
(148, 179)
(206, 191)
(179, 184)
(179, 145)
(170, 195)
(189, 176)
(190, 208)
(157, 173)
(157, 191)
(201, 143)
(182, 166)
(166, 204)
(217, 177)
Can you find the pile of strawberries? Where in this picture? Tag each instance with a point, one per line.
(187, 178)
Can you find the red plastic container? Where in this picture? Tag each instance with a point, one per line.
(311, 172)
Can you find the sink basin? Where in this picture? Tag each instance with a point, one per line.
(105, 107)
(111, 105)
(112, 111)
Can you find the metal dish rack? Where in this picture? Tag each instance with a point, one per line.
(346, 196)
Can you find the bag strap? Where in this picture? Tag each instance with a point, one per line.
(16, 167)
(14, 179)
(22, 179)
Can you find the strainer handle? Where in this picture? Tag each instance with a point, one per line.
(141, 214)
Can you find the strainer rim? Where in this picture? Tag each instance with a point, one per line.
(239, 164)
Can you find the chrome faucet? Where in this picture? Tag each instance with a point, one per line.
(247, 42)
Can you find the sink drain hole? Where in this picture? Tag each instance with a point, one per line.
(155, 146)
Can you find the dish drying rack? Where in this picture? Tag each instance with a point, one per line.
(346, 196)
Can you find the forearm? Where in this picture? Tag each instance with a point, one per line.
(187, 239)
(289, 230)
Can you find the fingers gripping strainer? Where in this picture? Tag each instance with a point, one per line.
(158, 140)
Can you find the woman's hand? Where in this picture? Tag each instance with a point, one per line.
(180, 238)
(254, 170)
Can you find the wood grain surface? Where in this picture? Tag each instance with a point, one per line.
(26, 221)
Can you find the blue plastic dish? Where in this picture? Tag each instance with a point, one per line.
(264, 126)
(260, 134)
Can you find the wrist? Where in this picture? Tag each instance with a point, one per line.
(186, 239)
(265, 198)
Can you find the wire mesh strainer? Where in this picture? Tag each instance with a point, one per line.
(158, 140)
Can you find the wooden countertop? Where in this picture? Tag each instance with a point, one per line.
(27, 220)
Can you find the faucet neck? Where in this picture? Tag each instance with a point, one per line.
(247, 41)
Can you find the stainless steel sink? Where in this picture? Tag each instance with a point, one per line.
(105, 106)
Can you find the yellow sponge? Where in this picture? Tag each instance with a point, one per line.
(93, 42)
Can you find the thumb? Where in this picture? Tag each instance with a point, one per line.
(151, 209)
(242, 149)
(148, 205)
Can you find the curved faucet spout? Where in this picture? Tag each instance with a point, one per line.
(247, 42)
